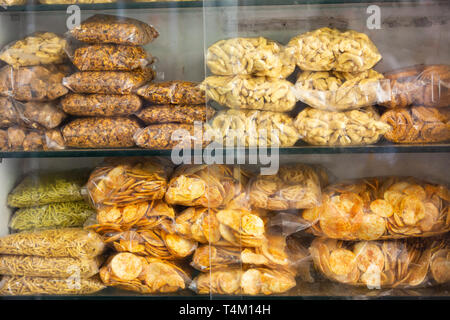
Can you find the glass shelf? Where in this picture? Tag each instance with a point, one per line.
(299, 149)
(191, 4)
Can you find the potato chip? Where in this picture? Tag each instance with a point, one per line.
(342, 261)
(126, 266)
(382, 208)
(372, 227)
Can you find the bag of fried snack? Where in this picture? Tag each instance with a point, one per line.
(419, 85)
(251, 128)
(34, 266)
(417, 124)
(40, 188)
(233, 226)
(125, 181)
(38, 83)
(247, 92)
(202, 185)
(340, 128)
(40, 48)
(173, 92)
(328, 49)
(107, 105)
(381, 208)
(65, 242)
(102, 28)
(171, 113)
(295, 186)
(21, 286)
(108, 82)
(156, 242)
(142, 215)
(143, 274)
(247, 281)
(339, 91)
(249, 56)
(383, 264)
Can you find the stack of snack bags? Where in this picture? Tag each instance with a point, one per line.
(51, 254)
(112, 65)
(389, 232)
(237, 253)
(338, 83)
(250, 74)
(137, 223)
(173, 106)
(419, 108)
(30, 88)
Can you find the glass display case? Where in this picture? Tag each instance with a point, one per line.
(224, 149)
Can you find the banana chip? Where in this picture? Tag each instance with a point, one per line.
(381, 208)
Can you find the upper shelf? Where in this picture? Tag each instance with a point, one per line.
(303, 149)
(192, 4)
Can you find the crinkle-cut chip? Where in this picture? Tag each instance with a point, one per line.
(381, 208)
(126, 266)
(411, 210)
(416, 191)
(179, 246)
(252, 225)
(251, 282)
(312, 214)
(372, 227)
(440, 266)
(342, 261)
(210, 227)
(367, 255)
(431, 216)
(230, 218)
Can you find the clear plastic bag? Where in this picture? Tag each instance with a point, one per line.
(154, 242)
(54, 215)
(100, 132)
(159, 136)
(249, 56)
(333, 128)
(418, 125)
(173, 92)
(102, 28)
(38, 83)
(141, 216)
(376, 264)
(144, 275)
(23, 139)
(39, 48)
(41, 188)
(56, 243)
(175, 113)
(21, 286)
(328, 49)
(419, 85)
(202, 185)
(381, 208)
(107, 105)
(295, 186)
(34, 266)
(251, 128)
(8, 113)
(339, 91)
(126, 181)
(110, 57)
(108, 82)
(246, 92)
(248, 281)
